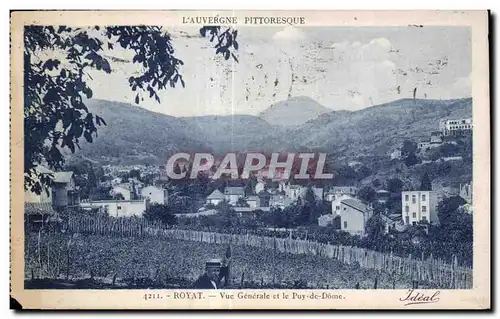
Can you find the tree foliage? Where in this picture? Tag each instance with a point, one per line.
(57, 62)
(425, 183)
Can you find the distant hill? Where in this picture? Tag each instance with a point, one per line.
(378, 129)
(136, 135)
(292, 112)
(236, 132)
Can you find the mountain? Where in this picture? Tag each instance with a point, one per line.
(378, 129)
(292, 112)
(136, 135)
(236, 133)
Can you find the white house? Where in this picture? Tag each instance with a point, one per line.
(336, 202)
(118, 208)
(155, 194)
(419, 206)
(253, 201)
(232, 194)
(215, 198)
(280, 201)
(455, 127)
(353, 216)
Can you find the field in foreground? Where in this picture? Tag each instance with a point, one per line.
(93, 261)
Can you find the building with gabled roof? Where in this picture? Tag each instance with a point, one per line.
(354, 215)
(215, 197)
(233, 194)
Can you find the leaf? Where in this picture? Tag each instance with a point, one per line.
(110, 46)
(137, 99)
(226, 55)
(88, 92)
(183, 84)
(235, 45)
(203, 31)
(88, 136)
(63, 73)
(101, 119)
(105, 66)
(234, 57)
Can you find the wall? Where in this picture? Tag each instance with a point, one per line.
(155, 194)
(354, 218)
(119, 208)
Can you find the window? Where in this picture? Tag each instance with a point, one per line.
(119, 207)
(423, 197)
(424, 219)
(407, 209)
(345, 224)
(337, 207)
(407, 198)
(345, 208)
(413, 199)
(414, 215)
(424, 209)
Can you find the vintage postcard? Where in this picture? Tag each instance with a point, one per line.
(250, 160)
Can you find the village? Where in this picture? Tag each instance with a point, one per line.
(348, 208)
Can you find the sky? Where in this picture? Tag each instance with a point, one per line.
(342, 68)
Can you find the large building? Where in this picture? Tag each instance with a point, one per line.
(353, 216)
(419, 206)
(455, 127)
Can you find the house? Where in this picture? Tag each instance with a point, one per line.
(424, 145)
(466, 192)
(325, 220)
(264, 198)
(318, 192)
(62, 194)
(122, 189)
(455, 127)
(353, 216)
(436, 139)
(383, 196)
(233, 194)
(253, 201)
(64, 191)
(118, 208)
(295, 191)
(280, 201)
(419, 206)
(336, 202)
(155, 194)
(350, 190)
(215, 197)
(390, 222)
